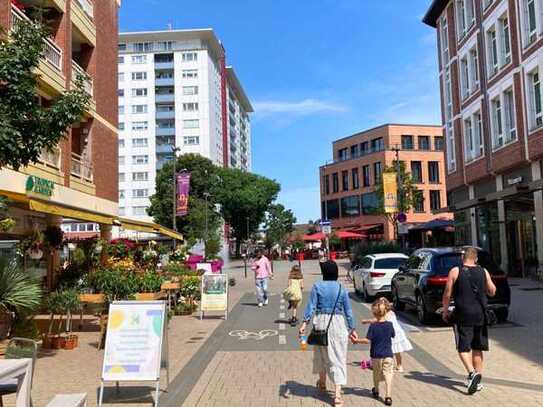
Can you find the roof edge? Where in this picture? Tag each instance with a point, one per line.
(238, 88)
(360, 133)
(434, 11)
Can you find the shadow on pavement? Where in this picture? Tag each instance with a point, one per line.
(437, 380)
(296, 389)
(127, 394)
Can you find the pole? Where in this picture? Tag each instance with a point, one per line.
(174, 222)
(399, 198)
(206, 196)
(327, 239)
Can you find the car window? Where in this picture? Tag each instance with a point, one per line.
(425, 262)
(413, 262)
(444, 263)
(486, 261)
(389, 264)
(366, 262)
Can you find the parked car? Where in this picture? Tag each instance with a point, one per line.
(373, 275)
(421, 281)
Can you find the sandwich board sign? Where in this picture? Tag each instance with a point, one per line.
(214, 294)
(136, 333)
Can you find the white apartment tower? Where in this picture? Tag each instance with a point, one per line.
(175, 90)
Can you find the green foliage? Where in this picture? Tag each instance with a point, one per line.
(177, 269)
(6, 224)
(149, 282)
(363, 249)
(213, 248)
(184, 308)
(27, 127)
(190, 287)
(25, 326)
(19, 292)
(53, 236)
(298, 245)
(334, 240)
(79, 257)
(279, 224)
(115, 284)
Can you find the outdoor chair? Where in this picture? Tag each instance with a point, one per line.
(18, 348)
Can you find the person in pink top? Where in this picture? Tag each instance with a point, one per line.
(263, 271)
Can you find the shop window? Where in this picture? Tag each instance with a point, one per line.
(350, 206)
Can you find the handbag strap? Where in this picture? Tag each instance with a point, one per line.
(334, 309)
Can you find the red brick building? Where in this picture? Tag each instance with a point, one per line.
(490, 68)
(349, 183)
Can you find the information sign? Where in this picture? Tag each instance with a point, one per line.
(214, 293)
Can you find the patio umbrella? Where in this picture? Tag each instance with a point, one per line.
(345, 234)
(314, 237)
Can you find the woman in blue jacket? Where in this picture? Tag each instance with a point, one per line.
(331, 360)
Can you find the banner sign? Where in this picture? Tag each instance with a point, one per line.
(214, 292)
(39, 185)
(183, 188)
(134, 341)
(390, 191)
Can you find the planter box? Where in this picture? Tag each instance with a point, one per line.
(149, 296)
(71, 342)
(170, 286)
(92, 298)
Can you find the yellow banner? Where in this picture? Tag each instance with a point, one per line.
(390, 190)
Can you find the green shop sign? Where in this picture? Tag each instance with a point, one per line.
(39, 185)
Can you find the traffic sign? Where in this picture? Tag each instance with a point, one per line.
(327, 229)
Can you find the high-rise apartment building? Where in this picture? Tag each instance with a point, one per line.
(175, 91)
(349, 184)
(490, 70)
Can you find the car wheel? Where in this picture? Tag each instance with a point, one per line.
(367, 297)
(398, 304)
(422, 314)
(502, 314)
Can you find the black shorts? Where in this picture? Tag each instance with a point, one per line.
(469, 337)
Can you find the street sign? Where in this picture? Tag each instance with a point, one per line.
(402, 217)
(327, 229)
(325, 222)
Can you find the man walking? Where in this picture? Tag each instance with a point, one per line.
(469, 286)
(263, 271)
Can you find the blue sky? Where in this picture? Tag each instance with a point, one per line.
(315, 71)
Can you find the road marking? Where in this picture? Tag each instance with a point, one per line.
(257, 336)
(281, 315)
(282, 300)
(281, 307)
(282, 327)
(282, 340)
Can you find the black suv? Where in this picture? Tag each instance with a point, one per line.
(421, 282)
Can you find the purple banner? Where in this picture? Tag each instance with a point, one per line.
(183, 188)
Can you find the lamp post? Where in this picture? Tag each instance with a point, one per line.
(399, 199)
(324, 193)
(174, 219)
(206, 196)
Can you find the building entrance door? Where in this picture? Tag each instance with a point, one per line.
(521, 237)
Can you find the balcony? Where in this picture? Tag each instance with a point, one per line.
(81, 168)
(168, 114)
(83, 19)
(50, 67)
(165, 98)
(164, 65)
(87, 82)
(163, 148)
(165, 131)
(164, 81)
(51, 158)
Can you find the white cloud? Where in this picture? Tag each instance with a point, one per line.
(299, 108)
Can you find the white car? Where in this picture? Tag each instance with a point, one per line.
(374, 274)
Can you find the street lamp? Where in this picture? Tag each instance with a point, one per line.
(174, 223)
(324, 193)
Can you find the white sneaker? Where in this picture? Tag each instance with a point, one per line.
(480, 387)
(266, 302)
(260, 304)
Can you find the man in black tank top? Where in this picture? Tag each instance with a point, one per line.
(469, 286)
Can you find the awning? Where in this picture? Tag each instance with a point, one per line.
(66, 212)
(149, 227)
(170, 233)
(435, 224)
(345, 234)
(368, 227)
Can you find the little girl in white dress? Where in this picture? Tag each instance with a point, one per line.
(400, 342)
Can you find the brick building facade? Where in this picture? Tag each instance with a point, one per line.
(490, 67)
(349, 183)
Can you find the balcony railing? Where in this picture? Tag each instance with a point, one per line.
(52, 53)
(81, 168)
(87, 6)
(87, 82)
(51, 158)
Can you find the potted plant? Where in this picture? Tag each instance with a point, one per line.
(53, 305)
(70, 303)
(184, 308)
(19, 293)
(6, 223)
(190, 289)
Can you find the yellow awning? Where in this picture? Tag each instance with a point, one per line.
(149, 227)
(65, 212)
(170, 233)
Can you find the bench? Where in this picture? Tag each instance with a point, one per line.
(69, 400)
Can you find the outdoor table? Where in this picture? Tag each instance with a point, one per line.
(20, 369)
(170, 289)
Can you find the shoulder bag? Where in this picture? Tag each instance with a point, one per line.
(319, 337)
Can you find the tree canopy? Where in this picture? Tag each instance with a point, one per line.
(28, 127)
(279, 224)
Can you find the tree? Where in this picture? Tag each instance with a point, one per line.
(279, 224)
(407, 197)
(313, 226)
(27, 127)
(245, 198)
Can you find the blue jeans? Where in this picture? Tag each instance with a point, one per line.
(261, 289)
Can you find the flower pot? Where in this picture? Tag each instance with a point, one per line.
(35, 254)
(70, 342)
(57, 342)
(47, 341)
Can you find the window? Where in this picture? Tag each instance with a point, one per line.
(136, 92)
(424, 143)
(451, 153)
(191, 140)
(121, 143)
(487, 3)
(435, 200)
(448, 95)
(189, 73)
(164, 74)
(121, 177)
(140, 193)
(121, 125)
(407, 142)
(190, 90)
(473, 137)
(444, 34)
(509, 112)
(121, 76)
(433, 172)
(191, 124)
(474, 69)
(343, 154)
(165, 45)
(166, 124)
(465, 15)
(122, 211)
(189, 56)
(416, 172)
(121, 109)
(140, 125)
(139, 142)
(438, 143)
(350, 206)
(139, 211)
(142, 46)
(120, 60)
(377, 173)
(122, 47)
(327, 184)
(355, 179)
(355, 152)
(121, 193)
(364, 148)
(418, 205)
(190, 107)
(530, 21)
(121, 160)
(138, 109)
(345, 180)
(335, 182)
(140, 176)
(505, 41)
(536, 113)
(139, 59)
(120, 93)
(331, 209)
(139, 76)
(140, 159)
(497, 124)
(377, 144)
(370, 203)
(492, 51)
(469, 73)
(366, 176)
(464, 77)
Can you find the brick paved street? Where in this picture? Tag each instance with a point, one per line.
(209, 367)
